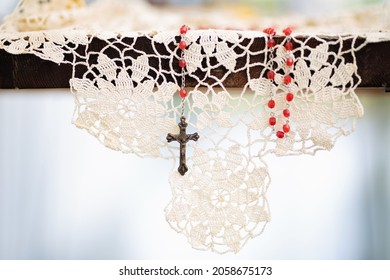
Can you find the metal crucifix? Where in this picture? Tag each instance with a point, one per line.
(182, 138)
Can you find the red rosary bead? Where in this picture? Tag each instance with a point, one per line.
(271, 75)
(286, 128)
(183, 93)
(271, 104)
(272, 120)
(289, 62)
(286, 113)
(288, 46)
(184, 29)
(280, 134)
(287, 31)
(271, 43)
(270, 31)
(182, 63)
(289, 97)
(182, 45)
(287, 79)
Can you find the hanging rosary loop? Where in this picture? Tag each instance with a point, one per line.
(280, 130)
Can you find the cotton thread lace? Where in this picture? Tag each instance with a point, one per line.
(127, 99)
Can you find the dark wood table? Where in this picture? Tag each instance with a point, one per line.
(29, 71)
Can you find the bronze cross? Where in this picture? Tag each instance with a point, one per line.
(182, 138)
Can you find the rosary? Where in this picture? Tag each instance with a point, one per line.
(296, 98)
(183, 138)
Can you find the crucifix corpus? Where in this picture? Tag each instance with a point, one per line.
(182, 138)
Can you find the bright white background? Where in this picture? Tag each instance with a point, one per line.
(63, 195)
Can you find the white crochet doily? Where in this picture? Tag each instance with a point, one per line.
(127, 99)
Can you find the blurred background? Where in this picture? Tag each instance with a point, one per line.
(65, 196)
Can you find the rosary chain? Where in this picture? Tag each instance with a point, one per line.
(183, 82)
(183, 76)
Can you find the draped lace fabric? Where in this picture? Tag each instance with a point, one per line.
(125, 88)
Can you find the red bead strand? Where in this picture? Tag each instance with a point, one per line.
(289, 61)
(182, 62)
(270, 44)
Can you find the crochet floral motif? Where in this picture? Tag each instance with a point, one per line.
(216, 208)
(120, 114)
(324, 103)
(212, 110)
